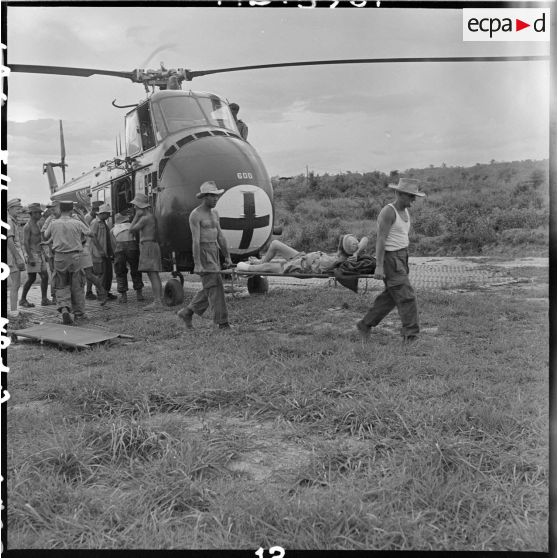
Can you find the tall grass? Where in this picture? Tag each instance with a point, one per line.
(286, 432)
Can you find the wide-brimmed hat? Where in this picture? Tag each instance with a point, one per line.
(66, 205)
(408, 186)
(346, 239)
(96, 204)
(34, 208)
(140, 201)
(14, 202)
(105, 208)
(209, 187)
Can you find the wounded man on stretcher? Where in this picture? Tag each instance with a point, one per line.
(282, 259)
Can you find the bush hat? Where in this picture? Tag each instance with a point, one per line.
(209, 187)
(408, 186)
(14, 202)
(34, 208)
(140, 201)
(66, 205)
(105, 208)
(346, 246)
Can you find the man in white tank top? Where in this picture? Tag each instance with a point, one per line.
(392, 264)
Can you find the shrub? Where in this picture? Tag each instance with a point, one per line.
(311, 209)
(430, 245)
(467, 209)
(516, 218)
(318, 235)
(369, 209)
(429, 221)
(471, 230)
(517, 237)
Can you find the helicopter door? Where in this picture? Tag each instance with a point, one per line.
(150, 188)
(122, 195)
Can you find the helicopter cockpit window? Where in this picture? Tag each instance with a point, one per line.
(133, 139)
(146, 127)
(173, 114)
(217, 112)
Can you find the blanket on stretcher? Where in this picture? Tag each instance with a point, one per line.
(346, 273)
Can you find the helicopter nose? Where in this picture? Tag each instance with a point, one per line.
(245, 208)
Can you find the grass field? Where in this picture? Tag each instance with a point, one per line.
(290, 430)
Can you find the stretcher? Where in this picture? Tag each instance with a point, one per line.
(258, 286)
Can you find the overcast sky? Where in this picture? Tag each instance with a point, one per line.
(330, 118)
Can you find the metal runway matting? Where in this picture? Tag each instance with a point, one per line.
(428, 274)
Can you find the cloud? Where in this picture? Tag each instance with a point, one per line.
(359, 117)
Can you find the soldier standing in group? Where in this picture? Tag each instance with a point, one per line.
(207, 239)
(52, 212)
(68, 235)
(36, 261)
(16, 261)
(88, 218)
(87, 265)
(242, 128)
(102, 251)
(126, 253)
(145, 224)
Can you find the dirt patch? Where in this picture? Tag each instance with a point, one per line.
(271, 454)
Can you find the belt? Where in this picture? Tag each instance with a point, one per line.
(396, 251)
(142, 241)
(70, 252)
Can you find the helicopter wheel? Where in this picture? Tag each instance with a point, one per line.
(258, 285)
(173, 293)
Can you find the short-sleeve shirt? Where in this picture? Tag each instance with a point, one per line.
(67, 234)
(13, 233)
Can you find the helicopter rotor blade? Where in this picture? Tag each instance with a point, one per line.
(67, 71)
(62, 153)
(193, 74)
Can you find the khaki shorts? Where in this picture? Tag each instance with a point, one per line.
(39, 264)
(150, 256)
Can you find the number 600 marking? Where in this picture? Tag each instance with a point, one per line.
(276, 551)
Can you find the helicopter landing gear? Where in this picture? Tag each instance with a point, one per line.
(258, 285)
(173, 293)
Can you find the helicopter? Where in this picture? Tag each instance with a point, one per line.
(175, 140)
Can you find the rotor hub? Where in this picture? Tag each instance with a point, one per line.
(162, 77)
